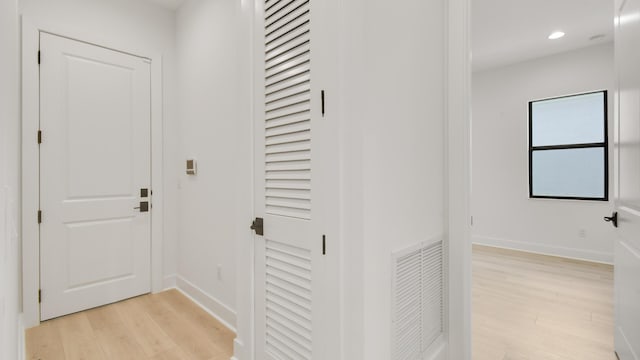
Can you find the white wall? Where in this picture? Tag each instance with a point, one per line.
(503, 214)
(141, 28)
(214, 68)
(392, 76)
(9, 182)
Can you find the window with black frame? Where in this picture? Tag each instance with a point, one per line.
(568, 147)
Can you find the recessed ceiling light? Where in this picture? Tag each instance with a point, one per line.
(556, 35)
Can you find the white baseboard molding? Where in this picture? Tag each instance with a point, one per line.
(623, 347)
(544, 249)
(210, 304)
(21, 338)
(437, 350)
(239, 350)
(169, 282)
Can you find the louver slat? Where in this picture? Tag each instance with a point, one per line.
(293, 20)
(287, 149)
(432, 290)
(408, 312)
(418, 291)
(288, 297)
(288, 109)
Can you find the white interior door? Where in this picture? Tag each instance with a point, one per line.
(627, 248)
(94, 161)
(291, 305)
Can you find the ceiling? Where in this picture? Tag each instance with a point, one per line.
(169, 4)
(510, 31)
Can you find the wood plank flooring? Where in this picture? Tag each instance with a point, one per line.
(536, 307)
(164, 326)
(525, 307)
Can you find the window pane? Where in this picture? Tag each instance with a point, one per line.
(570, 120)
(568, 173)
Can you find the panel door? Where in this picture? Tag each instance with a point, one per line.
(293, 296)
(627, 150)
(94, 161)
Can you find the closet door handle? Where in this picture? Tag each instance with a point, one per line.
(258, 226)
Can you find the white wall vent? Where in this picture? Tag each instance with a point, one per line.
(417, 299)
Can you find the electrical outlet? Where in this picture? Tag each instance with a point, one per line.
(582, 233)
(220, 272)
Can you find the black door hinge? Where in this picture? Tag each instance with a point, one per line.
(322, 102)
(39, 216)
(324, 244)
(39, 296)
(39, 136)
(38, 57)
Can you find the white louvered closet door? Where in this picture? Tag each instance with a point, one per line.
(288, 258)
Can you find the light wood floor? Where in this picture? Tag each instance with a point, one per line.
(164, 326)
(525, 307)
(535, 307)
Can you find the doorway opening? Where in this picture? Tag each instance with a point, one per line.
(542, 285)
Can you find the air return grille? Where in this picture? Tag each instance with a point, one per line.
(288, 108)
(417, 292)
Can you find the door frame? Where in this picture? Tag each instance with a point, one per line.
(30, 40)
(458, 178)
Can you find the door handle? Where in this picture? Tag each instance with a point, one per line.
(612, 219)
(144, 206)
(258, 226)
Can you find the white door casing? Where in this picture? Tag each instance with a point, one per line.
(94, 161)
(627, 199)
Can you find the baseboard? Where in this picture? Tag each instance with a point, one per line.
(213, 306)
(623, 346)
(169, 282)
(544, 249)
(239, 351)
(437, 350)
(21, 338)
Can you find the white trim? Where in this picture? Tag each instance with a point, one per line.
(21, 338)
(30, 172)
(30, 175)
(239, 350)
(169, 282)
(623, 346)
(210, 304)
(245, 243)
(458, 179)
(544, 249)
(157, 175)
(437, 350)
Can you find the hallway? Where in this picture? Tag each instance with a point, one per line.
(156, 327)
